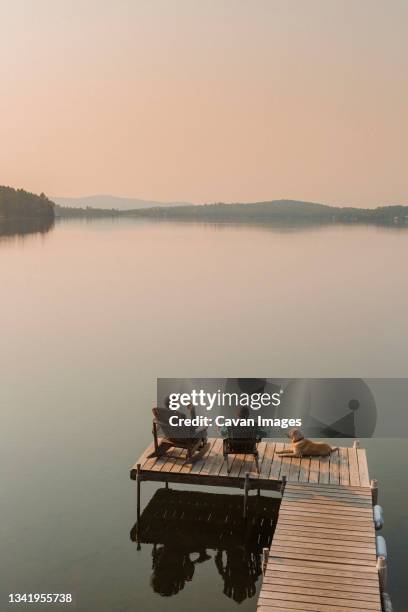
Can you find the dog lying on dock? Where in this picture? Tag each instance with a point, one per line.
(302, 447)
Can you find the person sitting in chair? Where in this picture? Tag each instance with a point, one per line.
(179, 435)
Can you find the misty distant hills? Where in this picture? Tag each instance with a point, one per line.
(278, 211)
(235, 211)
(19, 204)
(109, 202)
(292, 212)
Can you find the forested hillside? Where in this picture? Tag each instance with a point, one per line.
(20, 204)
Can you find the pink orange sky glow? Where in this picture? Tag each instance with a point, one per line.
(202, 101)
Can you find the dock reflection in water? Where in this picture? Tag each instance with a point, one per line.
(187, 528)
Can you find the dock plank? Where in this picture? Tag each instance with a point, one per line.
(249, 466)
(324, 469)
(198, 465)
(304, 520)
(285, 463)
(334, 470)
(304, 469)
(162, 461)
(327, 533)
(353, 467)
(318, 497)
(344, 467)
(239, 460)
(175, 460)
(314, 469)
(277, 462)
(321, 543)
(211, 457)
(218, 460)
(223, 470)
(266, 462)
(301, 597)
(322, 588)
(294, 469)
(316, 604)
(327, 508)
(149, 463)
(324, 488)
(261, 452)
(319, 554)
(288, 566)
(363, 467)
(323, 582)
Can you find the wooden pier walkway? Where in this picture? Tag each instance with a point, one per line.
(323, 554)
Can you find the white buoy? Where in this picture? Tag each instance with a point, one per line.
(378, 515)
(381, 546)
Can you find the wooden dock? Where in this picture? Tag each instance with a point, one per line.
(323, 554)
(347, 466)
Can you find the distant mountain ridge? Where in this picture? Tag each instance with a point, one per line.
(109, 202)
(279, 211)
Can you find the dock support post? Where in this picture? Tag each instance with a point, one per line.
(166, 484)
(356, 444)
(138, 481)
(246, 491)
(265, 554)
(382, 572)
(283, 485)
(156, 443)
(374, 490)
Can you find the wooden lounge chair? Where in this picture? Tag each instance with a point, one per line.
(241, 441)
(191, 439)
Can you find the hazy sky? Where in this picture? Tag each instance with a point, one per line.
(206, 100)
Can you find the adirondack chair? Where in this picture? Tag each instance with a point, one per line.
(241, 441)
(191, 439)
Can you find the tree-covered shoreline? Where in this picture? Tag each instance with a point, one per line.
(274, 212)
(21, 204)
(279, 211)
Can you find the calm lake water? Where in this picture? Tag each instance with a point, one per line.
(93, 312)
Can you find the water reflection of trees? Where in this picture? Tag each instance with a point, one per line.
(10, 228)
(187, 528)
